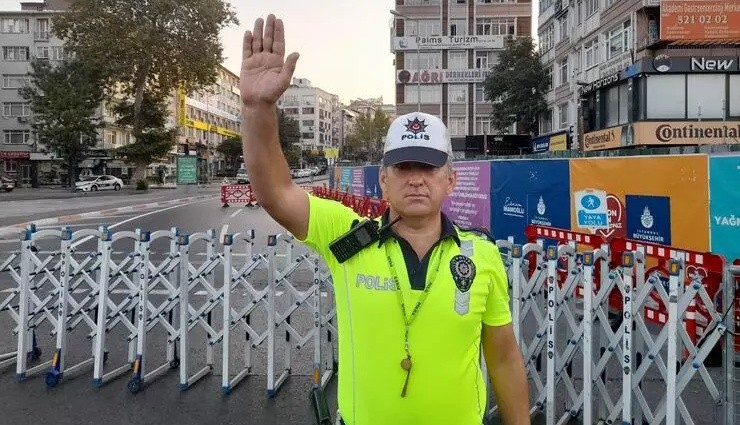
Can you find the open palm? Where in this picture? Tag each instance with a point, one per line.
(265, 73)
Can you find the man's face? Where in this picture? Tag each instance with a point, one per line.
(415, 189)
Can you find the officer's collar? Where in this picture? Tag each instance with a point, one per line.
(448, 229)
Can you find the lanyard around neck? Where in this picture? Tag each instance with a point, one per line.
(431, 278)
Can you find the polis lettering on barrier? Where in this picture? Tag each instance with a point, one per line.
(666, 132)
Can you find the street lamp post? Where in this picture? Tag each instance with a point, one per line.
(418, 58)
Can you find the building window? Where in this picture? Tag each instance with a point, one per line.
(480, 94)
(486, 60)
(16, 53)
(545, 4)
(430, 93)
(16, 137)
(16, 109)
(618, 40)
(308, 111)
(547, 38)
(425, 60)
(495, 26)
(592, 6)
(546, 121)
(457, 93)
(457, 59)
(666, 97)
(591, 53)
(548, 77)
(15, 81)
(14, 26)
(563, 32)
(458, 126)
(563, 71)
(563, 114)
(458, 27)
(706, 96)
(426, 27)
(483, 125)
(11, 165)
(735, 95)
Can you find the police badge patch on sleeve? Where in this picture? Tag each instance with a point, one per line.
(463, 273)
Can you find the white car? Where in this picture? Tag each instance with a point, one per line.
(95, 183)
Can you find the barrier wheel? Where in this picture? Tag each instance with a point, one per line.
(174, 364)
(52, 378)
(35, 354)
(134, 386)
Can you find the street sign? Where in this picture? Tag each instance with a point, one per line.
(591, 209)
(187, 169)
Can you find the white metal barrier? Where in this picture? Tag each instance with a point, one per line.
(585, 358)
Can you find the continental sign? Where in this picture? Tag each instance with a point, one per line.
(687, 133)
(609, 138)
(663, 134)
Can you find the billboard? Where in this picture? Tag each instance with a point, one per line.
(358, 181)
(187, 169)
(686, 132)
(439, 76)
(662, 200)
(345, 179)
(525, 192)
(449, 42)
(469, 204)
(372, 181)
(550, 143)
(724, 207)
(699, 20)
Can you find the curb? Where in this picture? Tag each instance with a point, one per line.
(16, 228)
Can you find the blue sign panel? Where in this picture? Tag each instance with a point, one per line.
(541, 144)
(345, 181)
(649, 218)
(372, 182)
(527, 192)
(724, 206)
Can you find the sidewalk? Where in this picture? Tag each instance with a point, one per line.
(33, 194)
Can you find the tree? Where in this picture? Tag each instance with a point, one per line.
(64, 100)
(153, 46)
(517, 86)
(232, 150)
(290, 135)
(154, 140)
(368, 134)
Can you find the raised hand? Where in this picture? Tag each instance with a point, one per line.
(265, 72)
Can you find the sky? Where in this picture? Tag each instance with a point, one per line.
(344, 44)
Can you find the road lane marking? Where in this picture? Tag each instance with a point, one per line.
(236, 213)
(113, 226)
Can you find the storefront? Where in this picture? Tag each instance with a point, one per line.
(16, 165)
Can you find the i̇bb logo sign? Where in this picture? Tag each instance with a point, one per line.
(616, 215)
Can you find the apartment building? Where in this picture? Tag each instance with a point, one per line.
(640, 73)
(315, 111)
(25, 35)
(443, 52)
(205, 119)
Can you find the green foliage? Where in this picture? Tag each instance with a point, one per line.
(517, 86)
(154, 141)
(142, 185)
(231, 149)
(290, 135)
(147, 48)
(367, 138)
(64, 99)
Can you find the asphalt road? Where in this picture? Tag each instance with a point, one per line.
(75, 401)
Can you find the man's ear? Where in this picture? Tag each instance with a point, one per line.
(382, 178)
(451, 181)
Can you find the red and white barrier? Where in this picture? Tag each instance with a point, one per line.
(238, 194)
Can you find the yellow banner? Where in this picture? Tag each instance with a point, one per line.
(609, 138)
(668, 195)
(559, 142)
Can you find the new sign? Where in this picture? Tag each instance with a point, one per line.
(449, 42)
(689, 64)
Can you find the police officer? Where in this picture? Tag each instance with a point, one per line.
(416, 296)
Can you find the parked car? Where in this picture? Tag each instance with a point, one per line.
(7, 184)
(242, 177)
(95, 183)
